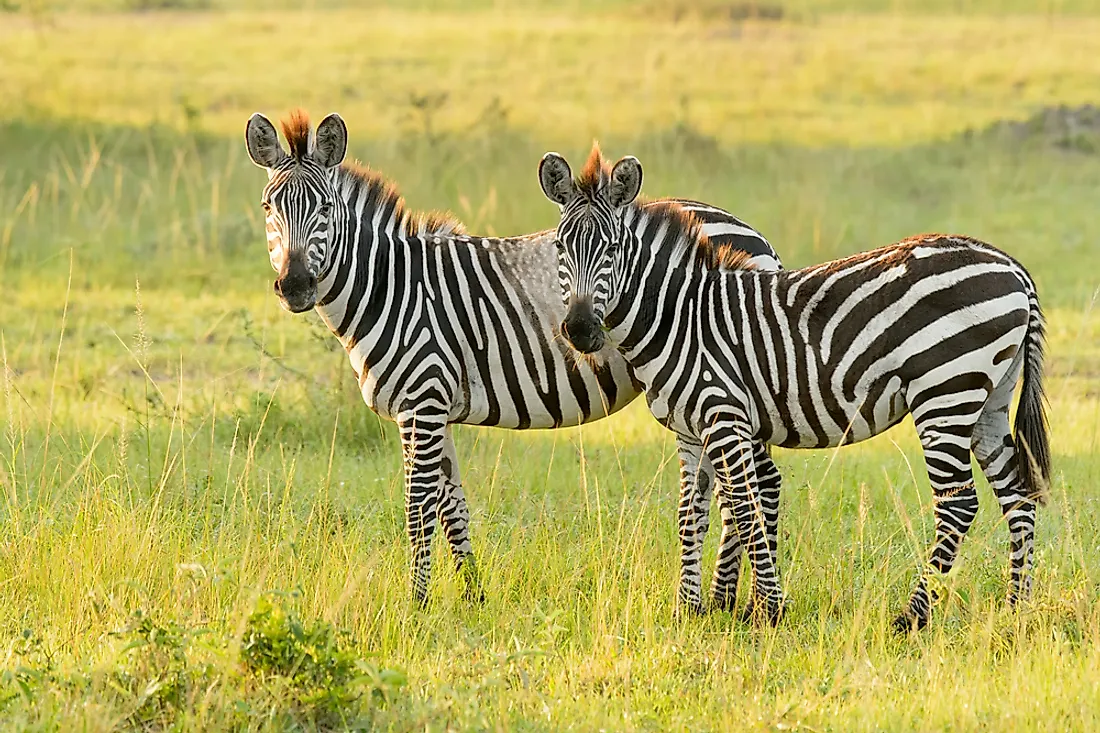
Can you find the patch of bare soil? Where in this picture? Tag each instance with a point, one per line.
(715, 11)
(1065, 127)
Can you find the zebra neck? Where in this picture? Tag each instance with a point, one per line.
(352, 292)
(655, 275)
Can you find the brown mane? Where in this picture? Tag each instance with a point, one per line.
(683, 223)
(596, 171)
(296, 131)
(380, 191)
(383, 193)
(883, 258)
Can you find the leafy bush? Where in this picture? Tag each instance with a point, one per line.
(157, 669)
(314, 661)
(290, 671)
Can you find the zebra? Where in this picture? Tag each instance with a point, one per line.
(440, 327)
(937, 326)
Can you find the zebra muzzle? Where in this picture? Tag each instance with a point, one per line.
(296, 288)
(582, 329)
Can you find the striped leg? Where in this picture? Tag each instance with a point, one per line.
(997, 455)
(770, 482)
(696, 489)
(955, 503)
(736, 489)
(692, 523)
(422, 443)
(454, 516)
(727, 566)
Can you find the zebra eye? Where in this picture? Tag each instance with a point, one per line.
(326, 208)
(266, 206)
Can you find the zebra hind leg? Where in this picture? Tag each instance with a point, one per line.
(955, 503)
(998, 457)
(454, 516)
(422, 448)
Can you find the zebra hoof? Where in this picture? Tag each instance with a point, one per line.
(770, 614)
(472, 591)
(907, 623)
(775, 613)
(725, 602)
(689, 609)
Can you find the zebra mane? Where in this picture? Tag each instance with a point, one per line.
(296, 131)
(382, 193)
(683, 225)
(595, 174)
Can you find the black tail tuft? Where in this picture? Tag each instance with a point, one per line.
(1032, 432)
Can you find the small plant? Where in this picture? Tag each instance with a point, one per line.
(33, 668)
(314, 662)
(156, 668)
(304, 673)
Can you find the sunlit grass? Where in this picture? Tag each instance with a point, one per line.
(869, 79)
(191, 504)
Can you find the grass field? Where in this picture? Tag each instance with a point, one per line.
(202, 525)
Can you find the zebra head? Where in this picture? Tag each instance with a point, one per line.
(589, 237)
(299, 201)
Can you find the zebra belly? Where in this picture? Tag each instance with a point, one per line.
(918, 376)
(557, 392)
(561, 393)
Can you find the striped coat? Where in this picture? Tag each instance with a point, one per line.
(440, 327)
(938, 327)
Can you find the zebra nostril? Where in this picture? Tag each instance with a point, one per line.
(277, 287)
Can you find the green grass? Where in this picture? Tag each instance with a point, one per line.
(878, 79)
(202, 525)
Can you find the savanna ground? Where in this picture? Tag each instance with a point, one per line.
(202, 525)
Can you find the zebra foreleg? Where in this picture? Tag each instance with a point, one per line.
(736, 489)
(454, 516)
(727, 563)
(693, 517)
(422, 445)
(955, 503)
(770, 482)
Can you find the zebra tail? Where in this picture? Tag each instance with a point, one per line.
(1032, 430)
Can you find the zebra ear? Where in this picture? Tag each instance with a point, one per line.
(626, 181)
(263, 142)
(556, 179)
(332, 141)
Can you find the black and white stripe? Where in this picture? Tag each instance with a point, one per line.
(440, 327)
(939, 327)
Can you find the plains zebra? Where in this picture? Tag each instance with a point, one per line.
(440, 327)
(936, 326)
